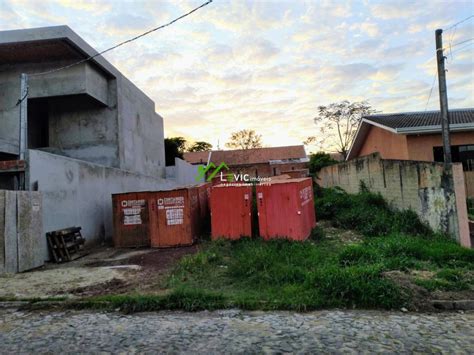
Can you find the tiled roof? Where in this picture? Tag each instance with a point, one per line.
(421, 119)
(247, 156)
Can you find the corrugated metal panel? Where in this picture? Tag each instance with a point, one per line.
(131, 219)
(231, 211)
(174, 217)
(286, 209)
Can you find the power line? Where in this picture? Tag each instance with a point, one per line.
(462, 48)
(124, 42)
(431, 91)
(458, 23)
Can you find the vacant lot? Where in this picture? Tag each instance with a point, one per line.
(363, 254)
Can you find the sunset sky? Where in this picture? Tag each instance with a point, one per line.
(267, 65)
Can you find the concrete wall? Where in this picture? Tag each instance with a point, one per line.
(140, 132)
(20, 231)
(78, 193)
(92, 114)
(185, 173)
(436, 195)
(82, 80)
(420, 147)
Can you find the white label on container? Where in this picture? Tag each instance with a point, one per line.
(174, 216)
(132, 220)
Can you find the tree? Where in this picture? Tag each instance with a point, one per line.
(174, 148)
(318, 161)
(200, 147)
(338, 124)
(245, 139)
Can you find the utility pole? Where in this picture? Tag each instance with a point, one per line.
(23, 141)
(443, 98)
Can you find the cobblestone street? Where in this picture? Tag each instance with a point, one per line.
(233, 331)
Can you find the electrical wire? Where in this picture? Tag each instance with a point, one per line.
(116, 46)
(124, 42)
(458, 23)
(462, 48)
(431, 90)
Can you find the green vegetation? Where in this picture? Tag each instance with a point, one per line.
(367, 213)
(318, 161)
(322, 272)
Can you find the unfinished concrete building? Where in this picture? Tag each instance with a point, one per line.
(91, 131)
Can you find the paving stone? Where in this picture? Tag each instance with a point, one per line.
(224, 332)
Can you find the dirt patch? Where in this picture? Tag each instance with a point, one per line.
(102, 271)
(54, 282)
(422, 298)
(153, 266)
(418, 294)
(343, 236)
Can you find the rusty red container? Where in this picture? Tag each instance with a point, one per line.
(286, 209)
(131, 219)
(174, 217)
(231, 211)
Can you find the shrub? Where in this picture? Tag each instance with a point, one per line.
(368, 213)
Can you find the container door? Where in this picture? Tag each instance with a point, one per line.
(131, 220)
(231, 212)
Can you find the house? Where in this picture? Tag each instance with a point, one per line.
(256, 162)
(415, 136)
(91, 131)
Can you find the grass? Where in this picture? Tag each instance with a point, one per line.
(367, 213)
(319, 273)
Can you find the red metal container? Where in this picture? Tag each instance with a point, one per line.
(286, 209)
(174, 217)
(231, 215)
(131, 219)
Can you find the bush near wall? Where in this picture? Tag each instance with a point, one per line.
(367, 213)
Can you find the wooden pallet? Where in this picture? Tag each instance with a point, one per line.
(65, 244)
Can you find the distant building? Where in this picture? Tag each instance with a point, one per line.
(416, 136)
(262, 162)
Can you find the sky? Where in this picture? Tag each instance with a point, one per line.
(268, 65)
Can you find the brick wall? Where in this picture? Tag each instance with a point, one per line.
(434, 194)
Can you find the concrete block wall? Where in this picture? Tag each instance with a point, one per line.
(436, 195)
(78, 193)
(20, 231)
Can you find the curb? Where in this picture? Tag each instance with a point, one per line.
(461, 305)
(13, 304)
